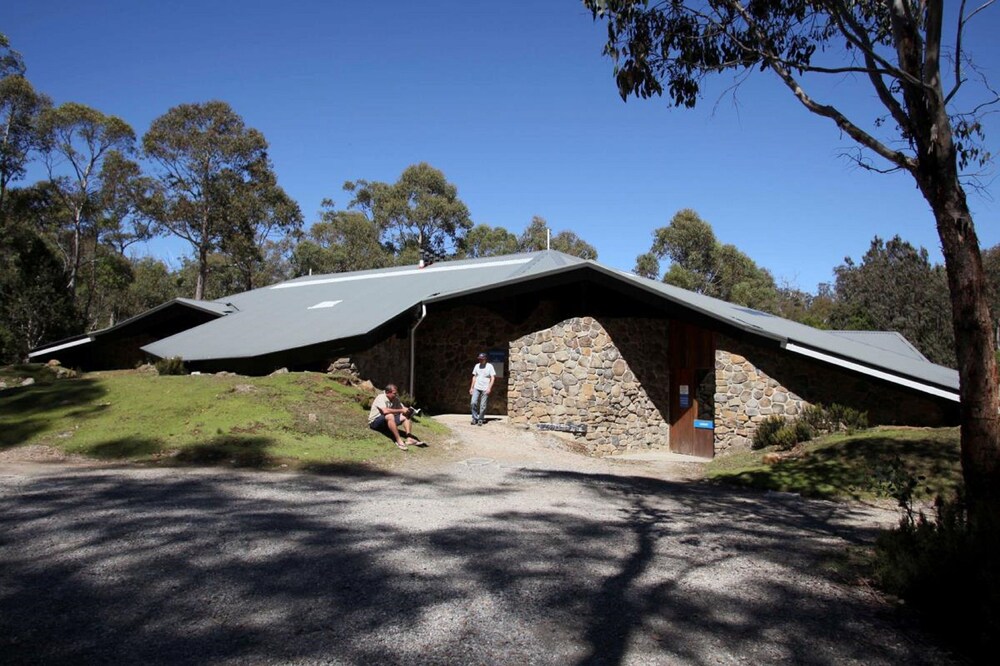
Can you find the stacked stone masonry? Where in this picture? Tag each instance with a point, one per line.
(581, 371)
(780, 383)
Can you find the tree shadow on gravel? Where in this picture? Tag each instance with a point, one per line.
(207, 566)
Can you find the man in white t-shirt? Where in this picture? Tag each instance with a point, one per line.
(483, 376)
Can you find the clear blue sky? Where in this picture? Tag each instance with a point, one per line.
(513, 101)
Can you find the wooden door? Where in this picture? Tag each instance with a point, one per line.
(692, 359)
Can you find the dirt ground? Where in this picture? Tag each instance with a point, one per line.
(497, 545)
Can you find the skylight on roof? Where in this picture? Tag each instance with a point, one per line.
(324, 304)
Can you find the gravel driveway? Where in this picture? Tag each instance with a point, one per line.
(504, 549)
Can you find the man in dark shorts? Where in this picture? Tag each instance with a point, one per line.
(388, 416)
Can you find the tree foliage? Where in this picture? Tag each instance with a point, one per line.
(341, 241)
(77, 140)
(421, 205)
(895, 50)
(35, 305)
(700, 263)
(217, 189)
(486, 241)
(896, 288)
(535, 237)
(20, 107)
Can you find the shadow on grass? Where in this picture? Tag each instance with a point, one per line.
(29, 410)
(236, 450)
(852, 468)
(126, 447)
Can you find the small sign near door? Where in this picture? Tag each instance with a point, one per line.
(685, 395)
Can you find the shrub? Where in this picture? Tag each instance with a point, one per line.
(781, 434)
(171, 366)
(834, 418)
(946, 570)
(784, 439)
(847, 418)
(766, 430)
(816, 417)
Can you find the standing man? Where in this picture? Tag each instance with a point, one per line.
(483, 376)
(388, 415)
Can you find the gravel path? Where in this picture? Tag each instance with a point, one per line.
(503, 548)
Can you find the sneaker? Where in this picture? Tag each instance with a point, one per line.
(474, 422)
(481, 422)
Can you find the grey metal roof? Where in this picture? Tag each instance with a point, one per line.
(888, 340)
(86, 338)
(324, 308)
(319, 308)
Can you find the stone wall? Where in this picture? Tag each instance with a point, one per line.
(447, 345)
(387, 362)
(753, 382)
(611, 376)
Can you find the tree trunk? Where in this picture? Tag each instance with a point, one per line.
(199, 290)
(977, 368)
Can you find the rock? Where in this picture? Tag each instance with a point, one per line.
(279, 371)
(771, 458)
(28, 382)
(53, 363)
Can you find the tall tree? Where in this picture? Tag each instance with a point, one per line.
(536, 237)
(341, 241)
(208, 159)
(895, 288)
(35, 305)
(20, 107)
(123, 202)
(486, 241)
(422, 204)
(700, 263)
(76, 142)
(262, 215)
(894, 49)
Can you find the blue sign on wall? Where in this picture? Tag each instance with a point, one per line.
(704, 425)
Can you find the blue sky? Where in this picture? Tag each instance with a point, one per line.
(514, 103)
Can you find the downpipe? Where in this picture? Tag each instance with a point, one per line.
(413, 349)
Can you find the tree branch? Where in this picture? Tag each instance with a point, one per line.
(900, 159)
(850, 28)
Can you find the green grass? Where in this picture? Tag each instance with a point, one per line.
(851, 466)
(294, 419)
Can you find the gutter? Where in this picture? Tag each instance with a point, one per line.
(413, 347)
(67, 345)
(872, 372)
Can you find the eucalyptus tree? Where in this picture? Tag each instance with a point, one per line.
(77, 141)
(536, 237)
(20, 107)
(894, 287)
(486, 241)
(911, 58)
(216, 185)
(700, 263)
(340, 241)
(422, 206)
(35, 305)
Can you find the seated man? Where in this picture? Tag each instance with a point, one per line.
(388, 415)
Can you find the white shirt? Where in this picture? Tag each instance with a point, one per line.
(483, 375)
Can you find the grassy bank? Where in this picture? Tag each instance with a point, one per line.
(859, 466)
(294, 419)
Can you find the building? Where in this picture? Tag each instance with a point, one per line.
(623, 361)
